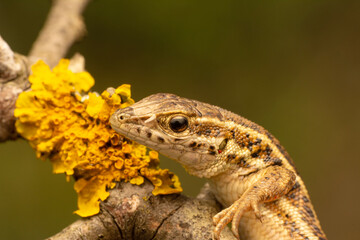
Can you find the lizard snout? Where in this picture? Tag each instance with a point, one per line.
(124, 113)
(121, 116)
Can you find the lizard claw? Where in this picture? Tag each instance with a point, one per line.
(236, 222)
(222, 219)
(257, 212)
(220, 215)
(240, 210)
(234, 214)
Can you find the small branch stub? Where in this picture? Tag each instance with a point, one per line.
(77, 63)
(9, 67)
(13, 80)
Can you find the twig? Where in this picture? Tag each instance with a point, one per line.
(77, 63)
(62, 28)
(9, 67)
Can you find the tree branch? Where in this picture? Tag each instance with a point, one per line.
(132, 212)
(64, 25)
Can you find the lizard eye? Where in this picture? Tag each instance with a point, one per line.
(179, 123)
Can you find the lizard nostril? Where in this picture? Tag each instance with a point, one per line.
(123, 116)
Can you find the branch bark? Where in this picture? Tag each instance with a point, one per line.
(13, 80)
(64, 25)
(132, 212)
(9, 67)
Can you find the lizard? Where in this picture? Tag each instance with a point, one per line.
(249, 172)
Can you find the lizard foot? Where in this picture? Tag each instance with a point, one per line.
(234, 214)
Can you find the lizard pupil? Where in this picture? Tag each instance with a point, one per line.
(179, 123)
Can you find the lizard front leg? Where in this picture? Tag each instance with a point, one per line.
(273, 182)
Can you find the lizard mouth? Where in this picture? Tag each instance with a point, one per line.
(137, 129)
(131, 130)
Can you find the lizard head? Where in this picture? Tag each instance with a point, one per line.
(185, 130)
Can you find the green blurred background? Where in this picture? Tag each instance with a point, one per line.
(291, 66)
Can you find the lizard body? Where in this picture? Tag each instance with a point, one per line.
(250, 173)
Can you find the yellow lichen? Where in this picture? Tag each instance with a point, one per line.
(72, 130)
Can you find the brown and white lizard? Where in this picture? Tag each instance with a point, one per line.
(249, 172)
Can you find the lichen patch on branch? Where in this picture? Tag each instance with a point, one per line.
(72, 130)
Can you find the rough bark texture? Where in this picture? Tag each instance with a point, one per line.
(13, 80)
(9, 66)
(132, 212)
